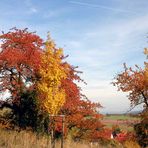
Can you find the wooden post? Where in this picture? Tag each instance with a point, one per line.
(62, 138)
(52, 131)
(52, 120)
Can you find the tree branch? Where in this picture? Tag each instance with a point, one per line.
(134, 106)
(145, 100)
(6, 104)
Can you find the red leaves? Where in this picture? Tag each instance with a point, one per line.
(121, 137)
(81, 113)
(19, 60)
(124, 136)
(20, 46)
(133, 81)
(103, 134)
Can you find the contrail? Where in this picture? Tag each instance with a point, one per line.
(101, 6)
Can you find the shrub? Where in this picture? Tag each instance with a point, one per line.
(141, 129)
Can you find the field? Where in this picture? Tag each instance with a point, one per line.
(27, 139)
(125, 122)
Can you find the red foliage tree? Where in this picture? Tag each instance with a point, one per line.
(82, 116)
(19, 60)
(135, 82)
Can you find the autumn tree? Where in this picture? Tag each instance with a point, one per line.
(19, 62)
(142, 127)
(52, 71)
(82, 116)
(135, 82)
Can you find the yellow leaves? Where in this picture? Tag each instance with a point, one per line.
(146, 51)
(54, 101)
(146, 76)
(52, 72)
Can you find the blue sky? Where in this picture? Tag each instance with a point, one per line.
(98, 35)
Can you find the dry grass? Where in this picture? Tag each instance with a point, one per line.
(23, 139)
(131, 144)
(27, 139)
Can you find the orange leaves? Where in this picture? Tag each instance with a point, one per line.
(146, 51)
(133, 81)
(82, 115)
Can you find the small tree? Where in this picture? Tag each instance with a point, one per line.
(135, 82)
(52, 71)
(82, 116)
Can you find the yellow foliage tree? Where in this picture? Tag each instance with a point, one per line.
(52, 71)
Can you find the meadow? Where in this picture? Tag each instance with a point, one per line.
(123, 121)
(121, 117)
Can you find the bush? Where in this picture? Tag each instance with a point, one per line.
(25, 115)
(141, 129)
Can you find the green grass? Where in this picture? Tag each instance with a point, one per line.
(116, 121)
(120, 117)
(121, 126)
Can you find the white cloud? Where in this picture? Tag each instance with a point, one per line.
(33, 10)
(101, 6)
(55, 13)
(108, 42)
(31, 7)
(108, 96)
(52, 13)
(100, 55)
